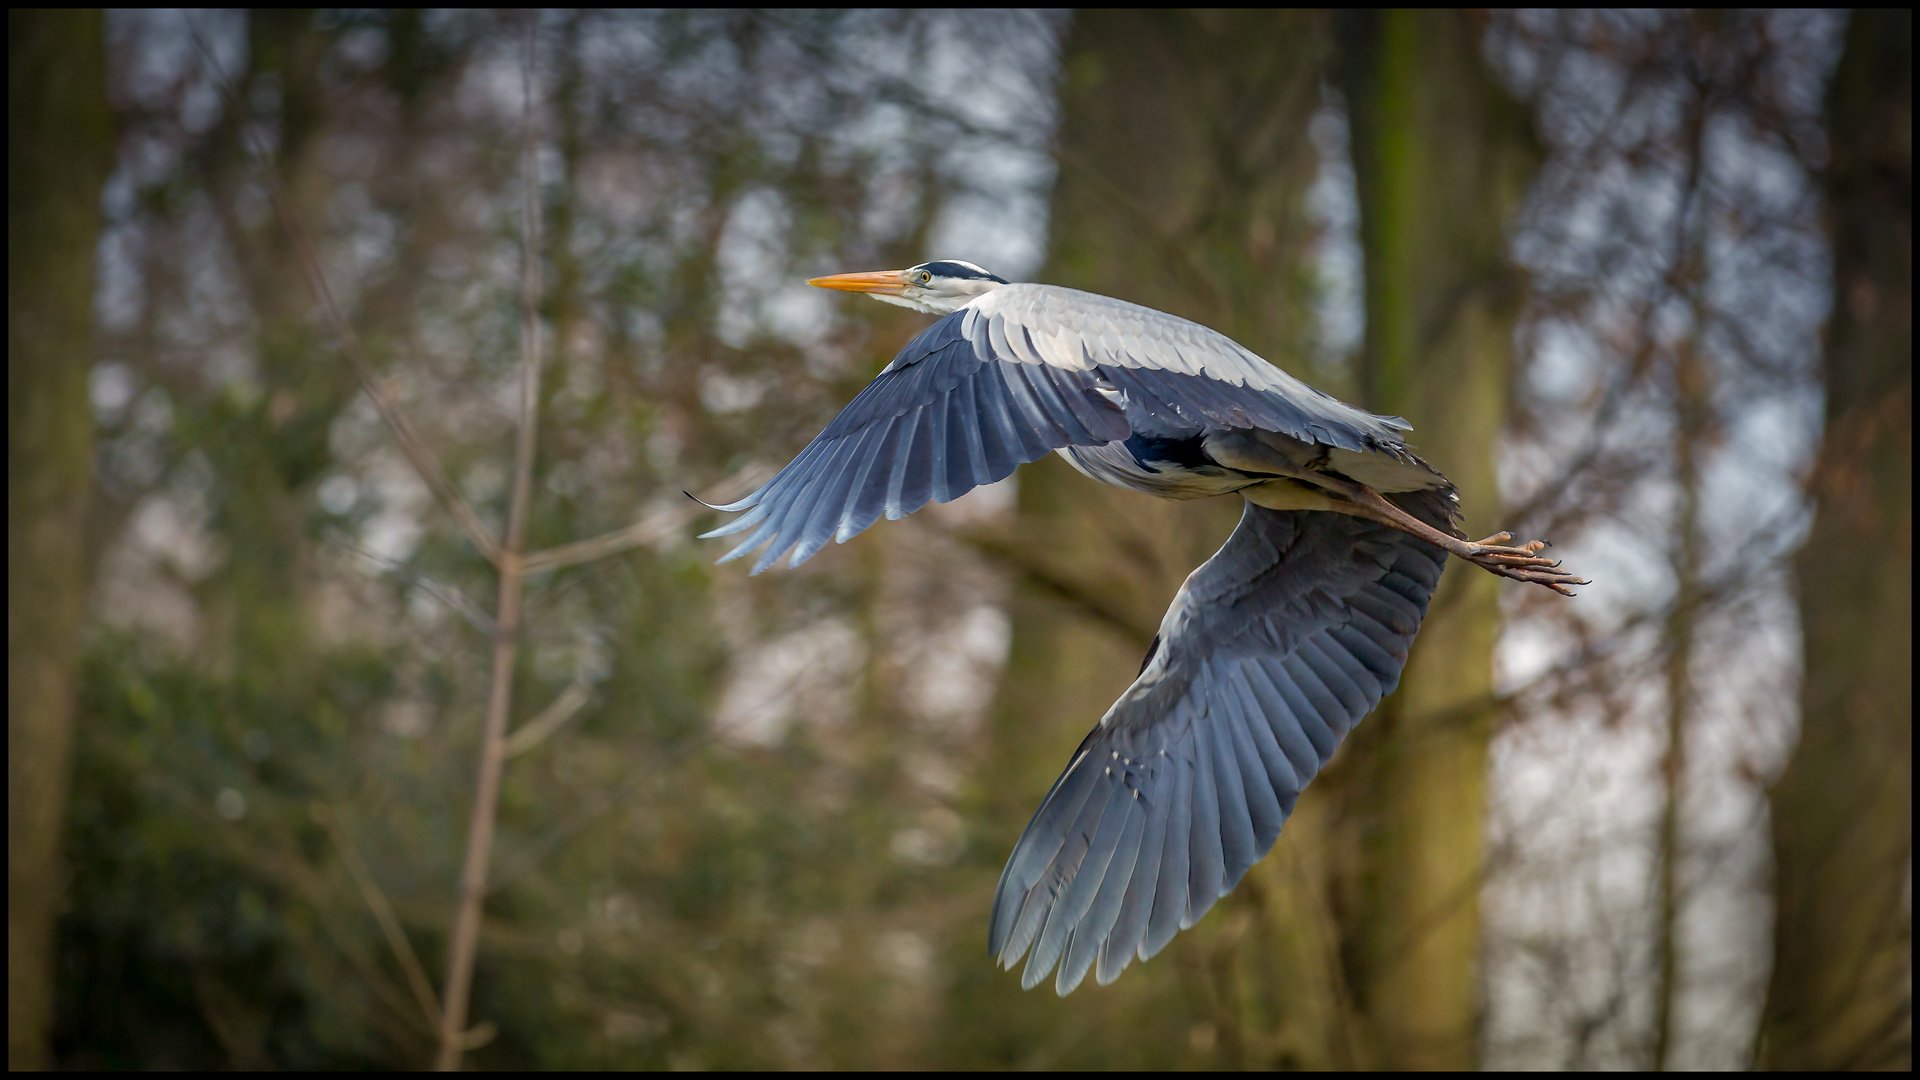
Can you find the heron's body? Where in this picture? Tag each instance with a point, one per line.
(1271, 651)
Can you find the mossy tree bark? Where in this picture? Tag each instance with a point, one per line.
(1841, 994)
(1184, 161)
(277, 446)
(59, 150)
(1442, 157)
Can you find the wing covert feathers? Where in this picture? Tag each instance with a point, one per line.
(1179, 371)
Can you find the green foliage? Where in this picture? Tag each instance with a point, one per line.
(187, 941)
(275, 696)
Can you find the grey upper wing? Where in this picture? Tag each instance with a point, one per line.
(1271, 652)
(1177, 377)
(941, 419)
(1020, 371)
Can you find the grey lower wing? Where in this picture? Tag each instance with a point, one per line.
(938, 422)
(1272, 652)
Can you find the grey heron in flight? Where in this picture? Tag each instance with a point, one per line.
(1271, 651)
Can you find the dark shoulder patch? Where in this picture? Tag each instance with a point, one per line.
(1151, 450)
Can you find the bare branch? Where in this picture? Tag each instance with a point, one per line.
(529, 312)
(655, 526)
(551, 719)
(578, 821)
(423, 460)
(382, 913)
(464, 941)
(446, 594)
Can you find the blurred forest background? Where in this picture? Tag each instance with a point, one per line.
(1641, 281)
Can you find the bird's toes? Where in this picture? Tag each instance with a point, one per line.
(1505, 559)
(1537, 572)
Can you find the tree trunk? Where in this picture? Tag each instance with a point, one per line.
(1841, 994)
(1184, 161)
(277, 447)
(1442, 157)
(59, 150)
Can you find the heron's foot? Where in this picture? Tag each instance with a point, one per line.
(1520, 562)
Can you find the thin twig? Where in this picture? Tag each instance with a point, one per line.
(446, 594)
(382, 913)
(578, 821)
(668, 761)
(465, 939)
(411, 444)
(655, 526)
(1691, 397)
(551, 719)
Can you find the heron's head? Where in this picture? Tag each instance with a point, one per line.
(939, 287)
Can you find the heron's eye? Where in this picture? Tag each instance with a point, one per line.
(924, 278)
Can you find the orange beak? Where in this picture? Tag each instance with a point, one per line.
(890, 282)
